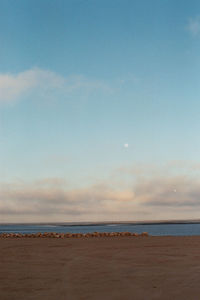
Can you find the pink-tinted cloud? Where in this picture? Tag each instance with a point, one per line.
(156, 197)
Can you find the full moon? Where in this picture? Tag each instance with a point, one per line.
(126, 145)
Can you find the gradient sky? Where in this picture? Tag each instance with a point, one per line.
(78, 81)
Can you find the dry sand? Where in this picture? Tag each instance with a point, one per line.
(100, 268)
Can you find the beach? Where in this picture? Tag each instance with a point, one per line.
(100, 268)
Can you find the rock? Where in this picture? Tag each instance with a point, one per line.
(134, 234)
(144, 234)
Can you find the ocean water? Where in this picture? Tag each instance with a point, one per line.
(152, 229)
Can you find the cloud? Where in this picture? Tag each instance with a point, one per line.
(47, 198)
(159, 196)
(179, 191)
(193, 26)
(16, 86)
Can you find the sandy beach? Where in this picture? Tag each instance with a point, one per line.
(100, 268)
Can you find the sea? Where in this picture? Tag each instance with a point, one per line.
(154, 229)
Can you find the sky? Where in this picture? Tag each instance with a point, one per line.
(99, 110)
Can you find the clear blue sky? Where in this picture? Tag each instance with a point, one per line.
(79, 79)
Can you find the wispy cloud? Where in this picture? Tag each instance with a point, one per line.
(16, 86)
(193, 26)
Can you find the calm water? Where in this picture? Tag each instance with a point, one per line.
(153, 229)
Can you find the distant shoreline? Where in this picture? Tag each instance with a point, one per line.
(104, 223)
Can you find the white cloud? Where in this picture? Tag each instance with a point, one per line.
(16, 86)
(193, 26)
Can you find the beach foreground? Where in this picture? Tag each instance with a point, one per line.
(100, 268)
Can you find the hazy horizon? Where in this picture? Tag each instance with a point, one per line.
(99, 110)
(88, 223)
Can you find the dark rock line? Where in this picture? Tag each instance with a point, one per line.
(70, 235)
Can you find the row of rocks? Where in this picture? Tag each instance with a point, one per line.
(70, 235)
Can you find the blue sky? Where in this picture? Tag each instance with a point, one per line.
(78, 80)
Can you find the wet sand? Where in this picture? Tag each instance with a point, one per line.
(119, 268)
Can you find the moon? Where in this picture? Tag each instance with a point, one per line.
(125, 145)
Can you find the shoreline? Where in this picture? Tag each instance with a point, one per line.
(100, 223)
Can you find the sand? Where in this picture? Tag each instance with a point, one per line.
(100, 268)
